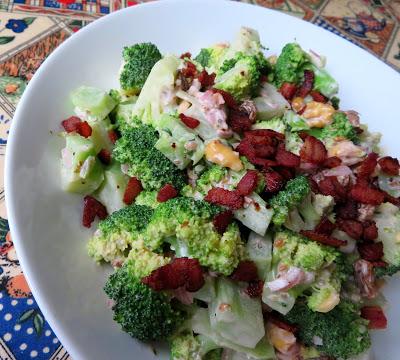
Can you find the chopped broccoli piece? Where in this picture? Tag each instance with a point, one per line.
(276, 123)
(339, 128)
(295, 121)
(138, 60)
(323, 81)
(142, 312)
(293, 142)
(187, 346)
(210, 58)
(259, 249)
(123, 117)
(343, 332)
(389, 270)
(187, 225)
(147, 198)
(118, 232)
(136, 149)
(291, 196)
(335, 101)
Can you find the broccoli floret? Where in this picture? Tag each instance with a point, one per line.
(339, 128)
(293, 142)
(187, 225)
(335, 101)
(117, 232)
(239, 76)
(276, 124)
(210, 58)
(289, 64)
(142, 312)
(388, 270)
(138, 60)
(343, 332)
(147, 198)
(187, 346)
(214, 355)
(291, 196)
(136, 149)
(115, 94)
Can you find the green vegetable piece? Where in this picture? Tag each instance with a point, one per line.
(259, 249)
(276, 123)
(339, 128)
(100, 137)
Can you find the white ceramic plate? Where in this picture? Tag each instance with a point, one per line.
(45, 222)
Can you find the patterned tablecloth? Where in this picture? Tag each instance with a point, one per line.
(31, 29)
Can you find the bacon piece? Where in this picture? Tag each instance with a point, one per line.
(239, 121)
(313, 151)
(366, 195)
(228, 98)
(91, 209)
(332, 162)
(206, 79)
(133, 189)
(222, 220)
(389, 165)
(273, 180)
(255, 288)
(392, 199)
(265, 151)
(349, 210)
(190, 70)
(331, 186)
(186, 55)
(223, 197)
(190, 122)
(71, 124)
(370, 231)
(104, 156)
(307, 85)
(181, 272)
(113, 136)
(265, 133)
(167, 192)
(84, 129)
(325, 226)
(322, 238)
(365, 278)
(288, 90)
(367, 166)
(286, 158)
(376, 317)
(247, 183)
(353, 228)
(371, 251)
(246, 271)
(318, 97)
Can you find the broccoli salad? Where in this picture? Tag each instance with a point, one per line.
(245, 213)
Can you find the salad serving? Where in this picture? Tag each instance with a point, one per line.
(245, 214)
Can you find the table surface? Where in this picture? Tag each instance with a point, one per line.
(31, 29)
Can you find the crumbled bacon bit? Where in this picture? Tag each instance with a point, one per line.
(371, 251)
(248, 183)
(393, 200)
(246, 271)
(206, 79)
(288, 90)
(367, 166)
(239, 121)
(166, 192)
(222, 220)
(229, 99)
(286, 158)
(266, 133)
(274, 181)
(181, 272)
(133, 189)
(349, 210)
(186, 55)
(190, 122)
(318, 97)
(190, 70)
(307, 85)
(332, 162)
(113, 136)
(104, 156)
(223, 197)
(286, 173)
(322, 238)
(91, 209)
(366, 195)
(375, 316)
(370, 232)
(74, 123)
(313, 151)
(325, 226)
(255, 288)
(84, 129)
(379, 263)
(353, 228)
(389, 165)
(331, 186)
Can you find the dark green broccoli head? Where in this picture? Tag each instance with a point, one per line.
(139, 59)
(115, 95)
(388, 270)
(289, 65)
(214, 355)
(203, 58)
(136, 149)
(291, 196)
(339, 128)
(343, 332)
(132, 219)
(142, 312)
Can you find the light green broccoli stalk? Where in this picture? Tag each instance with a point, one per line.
(342, 331)
(187, 225)
(117, 233)
(136, 150)
(291, 196)
(187, 346)
(138, 60)
(339, 128)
